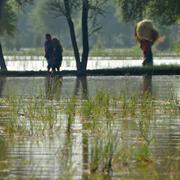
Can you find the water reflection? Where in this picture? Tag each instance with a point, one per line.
(2, 84)
(163, 86)
(81, 87)
(70, 154)
(3, 143)
(53, 86)
(147, 85)
(81, 90)
(3, 157)
(39, 63)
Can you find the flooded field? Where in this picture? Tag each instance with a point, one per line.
(90, 128)
(36, 63)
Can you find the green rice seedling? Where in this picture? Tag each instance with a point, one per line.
(103, 149)
(102, 99)
(96, 112)
(102, 117)
(128, 106)
(97, 176)
(103, 107)
(114, 105)
(133, 105)
(123, 156)
(12, 125)
(87, 114)
(96, 154)
(67, 168)
(146, 106)
(70, 112)
(31, 113)
(87, 108)
(172, 107)
(40, 115)
(142, 154)
(146, 119)
(110, 149)
(124, 106)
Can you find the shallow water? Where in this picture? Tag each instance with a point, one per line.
(161, 87)
(27, 63)
(62, 155)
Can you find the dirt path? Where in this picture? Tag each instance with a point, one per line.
(131, 71)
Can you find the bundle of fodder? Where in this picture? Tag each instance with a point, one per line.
(144, 30)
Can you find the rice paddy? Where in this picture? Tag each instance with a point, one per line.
(104, 135)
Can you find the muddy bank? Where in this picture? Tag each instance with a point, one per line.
(130, 71)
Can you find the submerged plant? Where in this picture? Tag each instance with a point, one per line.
(118, 131)
(70, 112)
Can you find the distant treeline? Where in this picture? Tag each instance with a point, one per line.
(110, 31)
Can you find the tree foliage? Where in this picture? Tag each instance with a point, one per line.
(163, 11)
(8, 19)
(8, 14)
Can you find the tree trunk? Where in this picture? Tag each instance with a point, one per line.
(1, 6)
(73, 35)
(74, 44)
(2, 62)
(85, 36)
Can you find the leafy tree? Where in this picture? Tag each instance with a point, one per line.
(114, 32)
(8, 19)
(41, 23)
(164, 11)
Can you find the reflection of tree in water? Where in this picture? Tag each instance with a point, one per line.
(65, 157)
(3, 147)
(3, 157)
(53, 87)
(53, 90)
(147, 85)
(81, 87)
(2, 84)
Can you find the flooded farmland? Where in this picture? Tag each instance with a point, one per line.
(37, 63)
(90, 128)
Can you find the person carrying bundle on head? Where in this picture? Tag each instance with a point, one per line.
(146, 35)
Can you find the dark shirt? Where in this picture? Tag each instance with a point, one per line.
(48, 46)
(57, 55)
(147, 51)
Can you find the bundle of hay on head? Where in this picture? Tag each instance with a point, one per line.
(144, 30)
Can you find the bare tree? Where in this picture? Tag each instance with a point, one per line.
(68, 9)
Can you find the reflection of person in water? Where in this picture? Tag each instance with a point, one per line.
(147, 85)
(53, 87)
